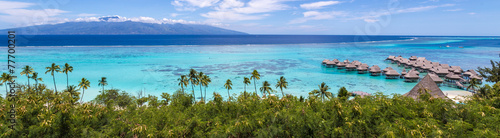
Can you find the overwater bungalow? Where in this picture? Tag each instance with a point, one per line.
(452, 77)
(386, 69)
(324, 61)
(469, 73)
(331, 64)
(362, 69)
(391, 74)
(441, 72)
(435, 64)
(413, 58)
(350, 67)
(347, 61)
(478, 78)
(391, 58)
(403, 73)
(445, 66)
(411, 76)
(459, 85)
(374, 70)
(341, 65)
(336, 61)
(425, 85)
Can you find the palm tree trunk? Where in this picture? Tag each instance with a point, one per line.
(282, 92)
(55, 87)
(245, 92)
(6, 91)
(28, 81)
(201, 92)
(36, 86)
(194, 97)
(206, 92)
(255, 85)
(67, 84)
(228, 94)
(182, 89)
(102, 89)
(81, 100)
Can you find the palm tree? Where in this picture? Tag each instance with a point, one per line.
(183, 81)
(27, 70)
(491, 74)
(6, 78)
(103, 82)
(193, 78)
(246, 81)
(228, 87)
(205, 81)
(67, 68)
(266, 88)
(73, 91)
(200, 79)
(83, 84)
(35, 77)
(282, 83)
(255, 76)
(343, 94)
(473, 84)
(323, 91)
(52, 69)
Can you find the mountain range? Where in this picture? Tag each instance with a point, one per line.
(115, 25)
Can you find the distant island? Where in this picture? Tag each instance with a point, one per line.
(110, 26)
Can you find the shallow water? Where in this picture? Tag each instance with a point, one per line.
(156, 69)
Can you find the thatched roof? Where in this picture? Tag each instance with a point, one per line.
(440, 70)
(435, 78)
(387, 69)
(476, 77)
(392, 73)
(403, 72)
(412, 75)
(375, 69)
(452, 76)
(445, 66)
(435, 64)
(324, 61)
(351, 66)
(426, 84)
(413, 58)
(341, 64)
(330, 63)
(360, 93)
(362, 68)
(347, 61)
(391, 58)
(336, 60)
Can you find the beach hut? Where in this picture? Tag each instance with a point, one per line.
(341, 65)
(350, 67)
(374, 70)
(386, 69)
(459, 85)
(436, 78)
(452, 77)
(411, 76)
(421, 59)
(403, 73)
(347, 61)
(413, 58)
(445, 66)
(336, 61)
(435, 64)
(362, 69)
(425, 85)
(360, 93)
(324, 61)
(426, 67)
(469, 73)
(478, 78)
(391, 74)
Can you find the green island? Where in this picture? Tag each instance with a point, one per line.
(45, 112)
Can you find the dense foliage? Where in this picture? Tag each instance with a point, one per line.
(117, 114)
(42, 112)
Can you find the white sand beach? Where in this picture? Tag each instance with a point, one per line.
(457, 95)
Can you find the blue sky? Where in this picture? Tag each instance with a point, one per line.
(335, 17)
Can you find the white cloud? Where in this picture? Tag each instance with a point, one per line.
(262, 6)
(174, 14)
(318, 5)
(315, 15)
(472, 13)
(422, 8)
(230, 15)
(87, 14)
(116, 18)
(371, 20)
(18, 14)
(372, 16)
(226, 4)
(196, 3)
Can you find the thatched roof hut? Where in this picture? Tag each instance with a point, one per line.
(362, 69)
(341, 65)
(413, 58)
(360, 93)
(347, 61)
(387, 69)
(452, 76)
(411, 76)
(336, 61)
(426, 85)
(324, 61)
(435, 78)
(445, 66)
(435, 64)
(350, 67)
(392, 74)
(476, 77)
(391, 58)
(403, 72)
(330, 63)
(441, 72)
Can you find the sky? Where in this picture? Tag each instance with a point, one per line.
(320, 17)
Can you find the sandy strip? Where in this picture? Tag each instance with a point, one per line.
(457, 95)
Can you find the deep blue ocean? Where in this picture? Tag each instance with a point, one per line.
(153, 63)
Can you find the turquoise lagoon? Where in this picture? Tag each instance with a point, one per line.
(155, 69)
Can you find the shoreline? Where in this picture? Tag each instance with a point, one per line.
(457, 95)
